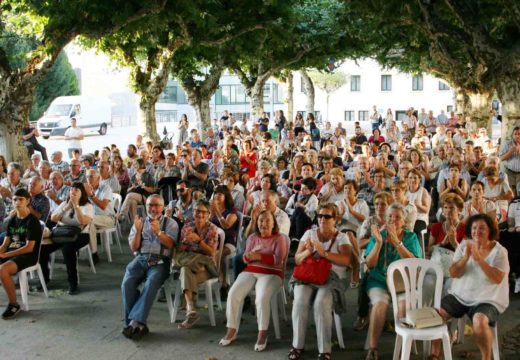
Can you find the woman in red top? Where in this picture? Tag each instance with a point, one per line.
(450, 232)
(248, 158)
(376, 136)
(265, 255)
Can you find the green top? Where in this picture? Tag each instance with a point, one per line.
(377, 275)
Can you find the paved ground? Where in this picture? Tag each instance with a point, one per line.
(88, 326)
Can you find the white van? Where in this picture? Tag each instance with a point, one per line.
(91, 113)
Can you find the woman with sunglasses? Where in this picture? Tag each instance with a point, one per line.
(75, 211)
(328, 243)
(389, 243)
(265, 256)
(198, 236)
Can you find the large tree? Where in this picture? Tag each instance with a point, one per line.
(329, 83)
(48, 26)
(474, 45)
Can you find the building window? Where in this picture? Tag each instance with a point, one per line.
(400, 115)
(363, 116)
(278, 94)
(443, 86)
(230, 95)
(417, 83)
(349, 115)
(169, 95)
(386, 82)
(449, 108)
(355, 83)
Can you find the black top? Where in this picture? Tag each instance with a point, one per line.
(23, 230)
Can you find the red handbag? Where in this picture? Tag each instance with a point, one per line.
(312, 270)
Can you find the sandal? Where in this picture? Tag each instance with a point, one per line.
(191, 318)
(324, 356)
(372, 354)
(294, 354)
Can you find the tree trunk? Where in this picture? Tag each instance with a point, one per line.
(480, 109)
(290, 96)
(147, 122)
(203, 113)
(509, 94)
(462, 103)
(14, 114)
(327, 105)
(309, 91)
(257, 99)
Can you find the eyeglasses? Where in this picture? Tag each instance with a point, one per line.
(325, 216)
(180, 190)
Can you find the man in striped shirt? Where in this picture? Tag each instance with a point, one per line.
(510, 156)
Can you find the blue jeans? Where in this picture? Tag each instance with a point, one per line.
(136, 304)
(375, 125)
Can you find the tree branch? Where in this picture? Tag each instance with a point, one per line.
(229, 37)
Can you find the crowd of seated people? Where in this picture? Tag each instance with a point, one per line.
(278, 187)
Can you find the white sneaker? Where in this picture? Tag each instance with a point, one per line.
(517, 285)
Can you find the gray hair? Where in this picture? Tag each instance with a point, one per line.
(396, 206)
(93, 172)
(14, 166)
(155, 196)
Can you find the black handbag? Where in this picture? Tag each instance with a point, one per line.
(62, 234)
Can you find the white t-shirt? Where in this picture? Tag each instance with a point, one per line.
(360, 206)
(474, 287)
(74, 132)
(87, 210)
(341, 239)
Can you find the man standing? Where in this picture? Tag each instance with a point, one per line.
(374, 118)
(101, 197)
(74, 135)
(151, 240)
(19, 249)
(510, 155)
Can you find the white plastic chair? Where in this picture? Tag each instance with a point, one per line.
(461, 323)
(24, 282)
(106, 233)
(413, 272)
(210, 286)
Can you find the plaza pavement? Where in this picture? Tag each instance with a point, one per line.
(88, 326)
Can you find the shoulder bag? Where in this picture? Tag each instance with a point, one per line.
(312, 270)
(62, 234)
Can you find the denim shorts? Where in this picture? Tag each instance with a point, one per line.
(457, 310)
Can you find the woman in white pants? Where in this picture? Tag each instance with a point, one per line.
(326, 242)
(265, 255)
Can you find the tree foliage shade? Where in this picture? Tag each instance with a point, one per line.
(61, 80)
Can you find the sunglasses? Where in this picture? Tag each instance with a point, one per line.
(325, 216)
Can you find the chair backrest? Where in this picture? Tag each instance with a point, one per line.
(117, 200)
(240, 232)
(221, 241)
(413, 272)
(288, 240)
(42, 224)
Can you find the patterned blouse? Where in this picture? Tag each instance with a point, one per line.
(208, 234)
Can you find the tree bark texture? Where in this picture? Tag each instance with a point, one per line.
(462, 103)
(257, 99)
(290, 96)
(199, 94)
(480, 107)
(147, 123)
(509, 94)
(309, 91)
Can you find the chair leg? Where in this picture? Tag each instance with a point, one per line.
(446, 345)
(22, 279)
(42, 280)
(216, 292)
(397, 346)
(176, 302)
(51, 267)
(274, 313)
(406, 348)
(282, 302)
(108, 238)
(496, 349)
(339, 331)
(119, 236)
(90, 260)
(211, 309)
(169, 301)
(461, 324)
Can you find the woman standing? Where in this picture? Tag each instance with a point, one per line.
(183, 129)
(480, 286)
(385, 247)
(265, 255)
(328, 243)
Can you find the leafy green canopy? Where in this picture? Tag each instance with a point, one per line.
(60, 81)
